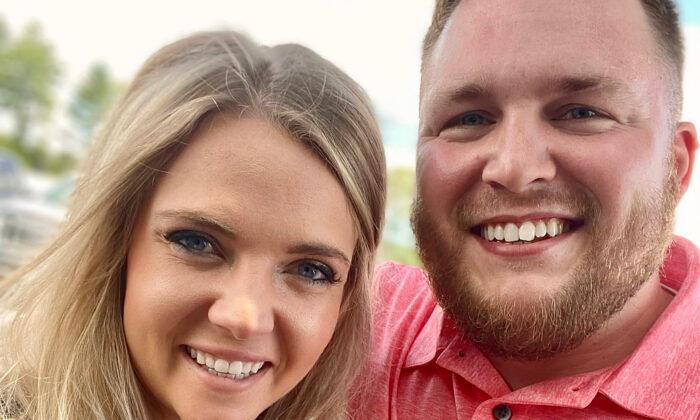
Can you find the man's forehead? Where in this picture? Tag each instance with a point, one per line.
(492, 37)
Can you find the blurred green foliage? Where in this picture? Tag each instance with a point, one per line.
(92, 98)
(37, 157)
(398, 242)
(29, 73)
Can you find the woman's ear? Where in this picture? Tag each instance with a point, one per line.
(685, 143)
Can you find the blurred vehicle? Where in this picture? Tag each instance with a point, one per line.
(27, 222)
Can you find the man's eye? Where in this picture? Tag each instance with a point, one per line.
(473, 118)
(579, 113)
(191, 241)
(315, 272)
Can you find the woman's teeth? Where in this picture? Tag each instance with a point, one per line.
(220, 367)
(529, 231)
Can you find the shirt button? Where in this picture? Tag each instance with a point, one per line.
(501, 412)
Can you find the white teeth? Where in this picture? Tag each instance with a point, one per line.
(552, 227)
(498, 232)
(246, 367)
(525, 232)
(221, 366)
(540, 229)
(256, 367)
(235, 370)
(510, 232)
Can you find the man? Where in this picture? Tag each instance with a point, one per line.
(550, 161)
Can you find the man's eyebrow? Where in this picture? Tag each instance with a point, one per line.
(315, 248)
(577, 84)
(468, 92)
(569, 84)
(198, 218)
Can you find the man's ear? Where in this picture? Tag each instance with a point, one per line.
(685, 143)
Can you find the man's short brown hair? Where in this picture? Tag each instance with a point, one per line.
(662, 15)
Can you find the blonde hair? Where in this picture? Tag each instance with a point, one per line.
(63, 353)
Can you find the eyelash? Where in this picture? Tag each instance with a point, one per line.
(458, 121)
(484, 120)
(178, 239)
(325, 270)
(595, 113)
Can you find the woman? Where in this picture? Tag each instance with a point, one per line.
(216, 255)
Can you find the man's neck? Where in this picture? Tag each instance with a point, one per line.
(616, 340)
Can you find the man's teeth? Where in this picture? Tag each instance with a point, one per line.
(524, 232)
(220, 367)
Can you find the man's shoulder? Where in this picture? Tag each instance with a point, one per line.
(392, 277)
(401, 289)
(402, 304)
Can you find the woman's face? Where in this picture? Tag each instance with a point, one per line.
(235, 272)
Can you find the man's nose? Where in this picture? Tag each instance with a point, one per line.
(519, 157)
(244, 304)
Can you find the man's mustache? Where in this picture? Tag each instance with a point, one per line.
(489, 202)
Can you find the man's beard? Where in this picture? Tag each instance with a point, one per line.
(614, 267)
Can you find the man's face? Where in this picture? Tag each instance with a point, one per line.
(546, 179)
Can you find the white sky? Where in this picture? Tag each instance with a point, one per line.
(377, 42)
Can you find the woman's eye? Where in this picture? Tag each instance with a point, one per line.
(315, 271)
(192, 242)
(579, 113)
(473, 118)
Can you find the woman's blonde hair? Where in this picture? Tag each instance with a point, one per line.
(62, 352)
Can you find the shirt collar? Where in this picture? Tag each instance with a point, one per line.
(670, 380)
(425, 346)
(665, 363)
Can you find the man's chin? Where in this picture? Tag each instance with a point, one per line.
(517, 289)
(529, 322)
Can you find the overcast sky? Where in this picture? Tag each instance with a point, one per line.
(377, 42)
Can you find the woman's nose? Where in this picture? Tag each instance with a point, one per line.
(245, 303)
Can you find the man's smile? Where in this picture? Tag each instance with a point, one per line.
(525, 231)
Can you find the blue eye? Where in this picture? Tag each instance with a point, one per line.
(473, 118)
(579, 113)
(191, 241)
(315, 272)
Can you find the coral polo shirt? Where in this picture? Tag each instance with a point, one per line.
(421, 367)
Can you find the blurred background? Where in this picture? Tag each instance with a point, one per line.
(63, 63)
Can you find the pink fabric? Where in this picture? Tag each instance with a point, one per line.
(420, 367)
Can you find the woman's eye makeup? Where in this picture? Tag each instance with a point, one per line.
(192, 242)
(315, 272)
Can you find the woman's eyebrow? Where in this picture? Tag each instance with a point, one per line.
(315, 248)
(198, 218)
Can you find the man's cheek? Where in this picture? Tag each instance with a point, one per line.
(445, 172)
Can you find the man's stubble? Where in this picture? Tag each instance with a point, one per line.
(617, 263)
